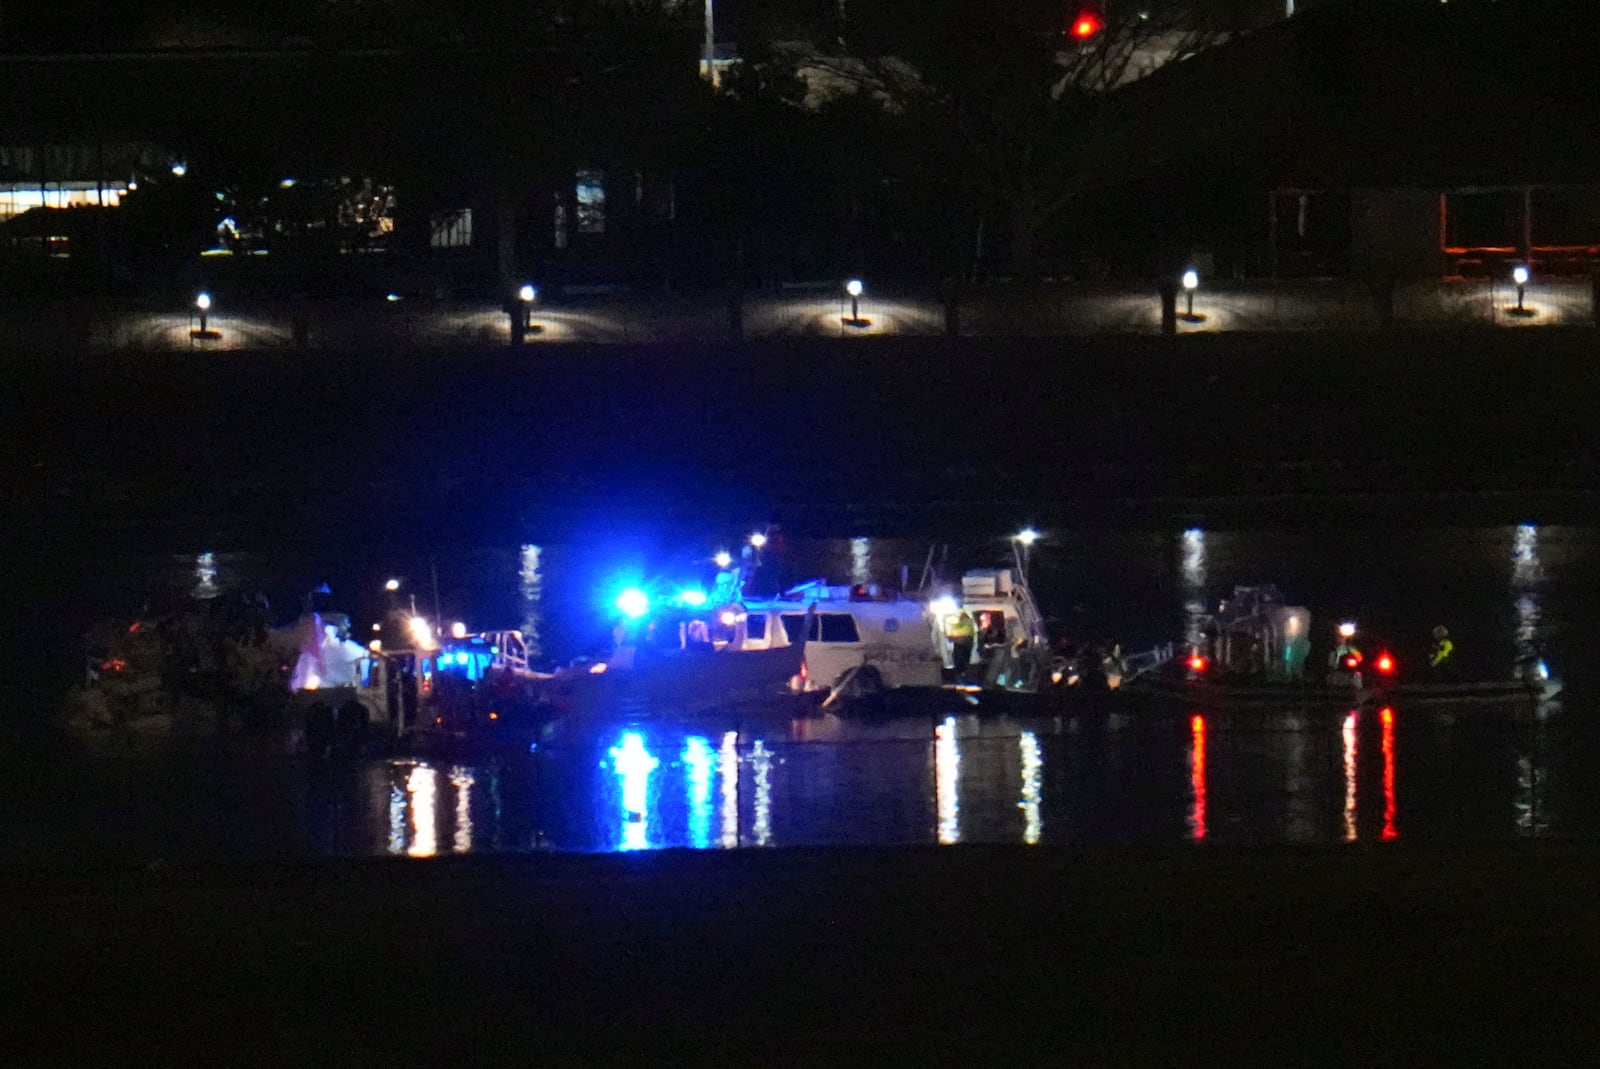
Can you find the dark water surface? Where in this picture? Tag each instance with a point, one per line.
(1145, 776)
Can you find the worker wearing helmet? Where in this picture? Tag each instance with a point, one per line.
(1441, 659)
(1346, 656)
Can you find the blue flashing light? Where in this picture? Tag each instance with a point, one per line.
(693, 597)
(633, 602)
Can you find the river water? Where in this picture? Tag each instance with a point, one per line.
(1145, 776)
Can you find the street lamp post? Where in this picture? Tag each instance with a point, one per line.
(853, 288)
(1191, 282)
(527, 295)
(1519, 275)
(203, 303)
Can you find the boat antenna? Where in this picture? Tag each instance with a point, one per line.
(438, 614)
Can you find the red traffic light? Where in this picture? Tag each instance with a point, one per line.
(1385, 663)
(1088, 23)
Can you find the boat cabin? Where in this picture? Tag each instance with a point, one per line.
(843, 628)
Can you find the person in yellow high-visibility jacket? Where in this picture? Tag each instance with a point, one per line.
(962, 631)
(1440, 659)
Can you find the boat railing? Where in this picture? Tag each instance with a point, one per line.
(1137, 664)
(509, 650)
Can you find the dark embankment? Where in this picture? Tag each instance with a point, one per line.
(950, 956)
(908, 435)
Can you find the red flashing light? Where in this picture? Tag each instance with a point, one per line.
(1197, 662)
(1088, 24)
(1385, 663)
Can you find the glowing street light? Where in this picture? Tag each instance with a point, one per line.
(521, 313)
(1027, 536)
(203, 303)
(854, 288)
(1191, 282)
(392, 585)
(422, 633)
(723, 559)
(1519, 275)
(179, 170)
(458, 630)
(758, 540)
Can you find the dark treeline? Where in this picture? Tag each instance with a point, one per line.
(918, 143)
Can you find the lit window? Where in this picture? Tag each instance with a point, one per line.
(450, 230)
(591, 188)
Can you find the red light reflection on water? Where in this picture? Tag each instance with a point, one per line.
(1386, 717)
(1197, 776)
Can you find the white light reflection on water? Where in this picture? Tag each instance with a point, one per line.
(532, 599)
(397, 819)
(700, 763)
(860, 560)
(1350, 777)
(205, 575)
(947, 776)
(461, 779)
(1197, 777)
(1526, 572)
(1193, 543)
(633, 765)
(728, 769)
(1028, 743)
(423, 786)
(1525, 554)
(761, 762)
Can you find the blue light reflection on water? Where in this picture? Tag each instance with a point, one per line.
(700, 764)
(1214, 778)
(633, 766)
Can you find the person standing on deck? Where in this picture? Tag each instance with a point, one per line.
(962, 631)
(1441, 659)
